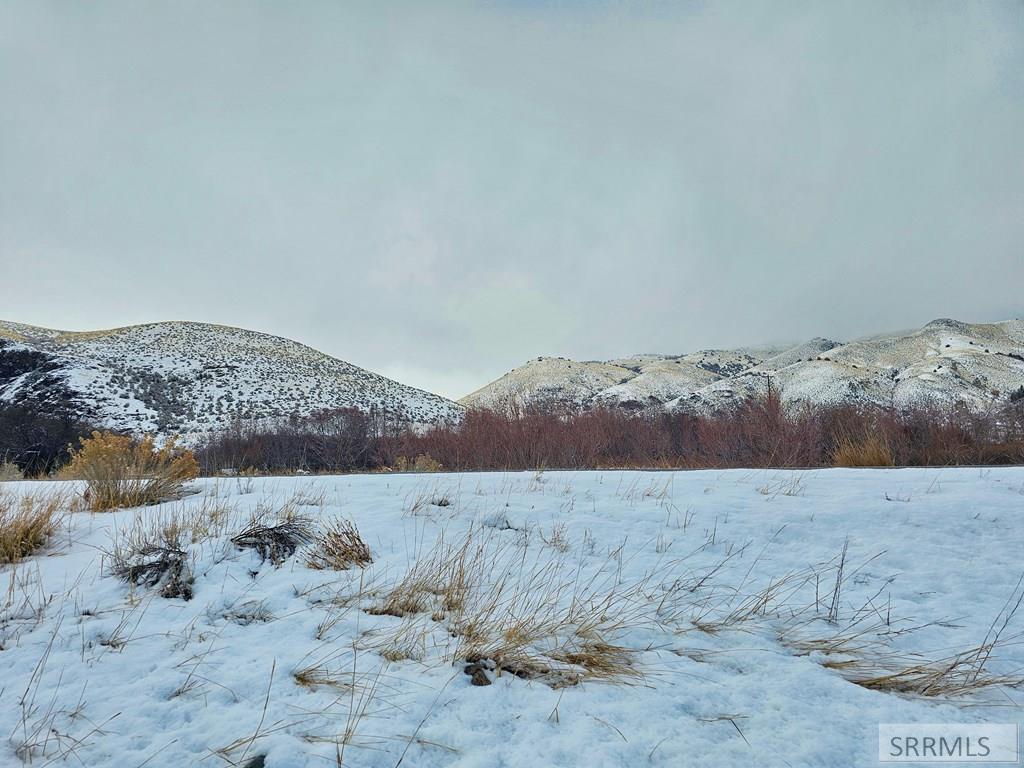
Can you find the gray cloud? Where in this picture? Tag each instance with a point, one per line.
(440, 193)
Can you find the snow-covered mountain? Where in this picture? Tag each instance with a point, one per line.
(946, 361)
(190, 378)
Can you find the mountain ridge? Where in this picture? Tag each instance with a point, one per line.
(945, 361)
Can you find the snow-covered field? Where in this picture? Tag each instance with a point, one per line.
(712, 596)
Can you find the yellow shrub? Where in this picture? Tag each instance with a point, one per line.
(122, 472)
(422, 463)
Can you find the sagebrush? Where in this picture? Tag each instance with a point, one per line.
(120, 471)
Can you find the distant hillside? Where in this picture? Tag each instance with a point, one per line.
(189, 378)
(944, 362)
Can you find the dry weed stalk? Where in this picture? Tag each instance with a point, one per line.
(25, 603)
(45, 730)
(558, 539)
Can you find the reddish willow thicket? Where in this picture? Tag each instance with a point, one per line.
(757, 433)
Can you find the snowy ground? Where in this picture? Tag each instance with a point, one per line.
(719, 584)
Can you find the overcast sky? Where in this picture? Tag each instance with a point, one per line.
(440, 191)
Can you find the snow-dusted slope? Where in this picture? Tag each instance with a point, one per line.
(635, 382)
(945, 362)
(188, 378)
(549, 381)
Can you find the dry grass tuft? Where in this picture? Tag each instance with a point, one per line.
(324, 673)
(873, 665)
(954, 676)
(438, 582)
(27, 522)
(248, 612)
(9, 472)
(863, 658)
(599, 659)
(420, 500)
(339, 547)
(122, 472)
(497, 609)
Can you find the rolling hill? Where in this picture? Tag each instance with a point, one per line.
(190, 378)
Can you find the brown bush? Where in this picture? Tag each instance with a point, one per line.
(122, 472)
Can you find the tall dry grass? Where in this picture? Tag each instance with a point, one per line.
(27, 521)
(868, 451)
(122, 472)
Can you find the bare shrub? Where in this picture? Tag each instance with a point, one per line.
(122, 472)
(339, 547)
(757, 432)
(154, 555)
(27, 522)
(760, 431)
(278, 541)
(333, 440)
